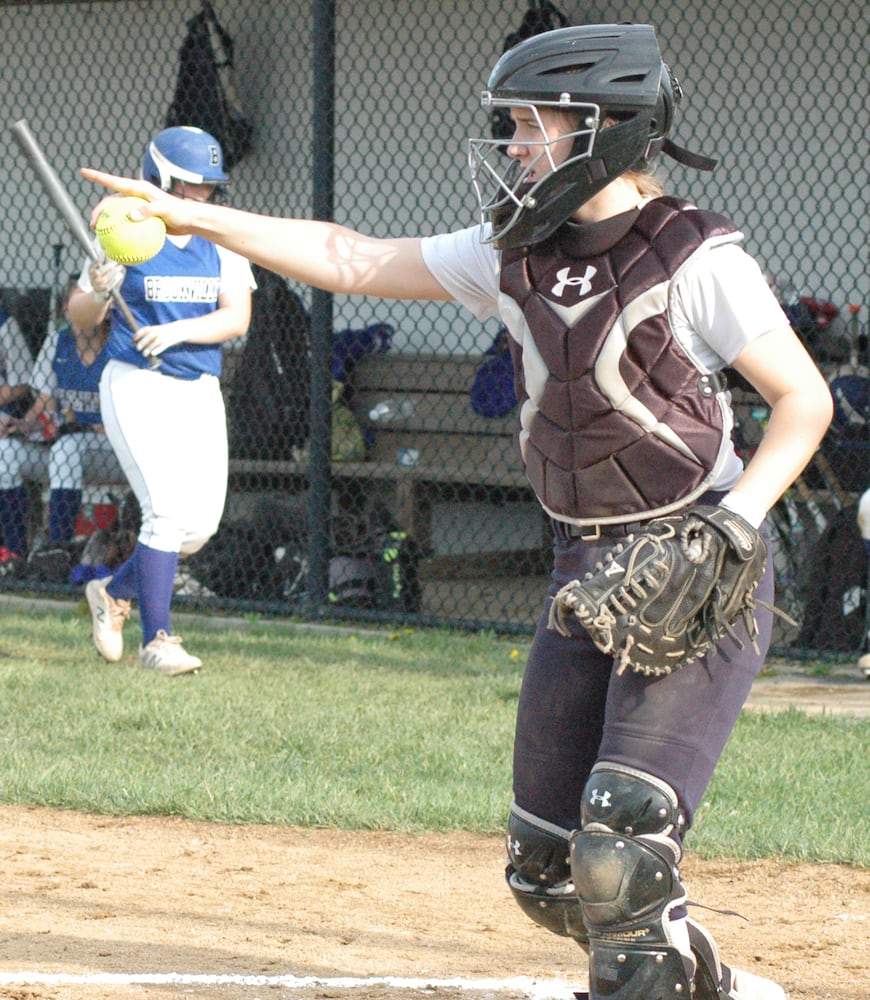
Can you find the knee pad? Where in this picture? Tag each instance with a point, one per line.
(539, 874)
(623, 868)
(619, 799)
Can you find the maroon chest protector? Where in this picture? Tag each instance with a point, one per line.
(616, 419)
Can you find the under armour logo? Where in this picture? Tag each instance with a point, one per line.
(599, 799)
(565, 281)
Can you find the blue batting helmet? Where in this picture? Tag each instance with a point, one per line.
(184, 153)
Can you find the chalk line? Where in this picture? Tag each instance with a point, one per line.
(534, 989)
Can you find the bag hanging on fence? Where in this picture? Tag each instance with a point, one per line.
(269, 397)
(350, 440)
(205, 95)
(259, 557)
(847, 443)
(265, 557)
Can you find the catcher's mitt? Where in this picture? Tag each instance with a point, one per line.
(663, 597)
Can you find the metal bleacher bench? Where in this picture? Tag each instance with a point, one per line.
(460, 454)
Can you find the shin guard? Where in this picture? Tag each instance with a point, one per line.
(627, 889)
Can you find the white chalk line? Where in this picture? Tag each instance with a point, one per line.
(534, 989)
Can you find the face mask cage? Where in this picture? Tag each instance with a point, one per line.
(504, 187)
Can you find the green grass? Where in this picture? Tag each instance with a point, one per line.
(407, 731)
(790, 785)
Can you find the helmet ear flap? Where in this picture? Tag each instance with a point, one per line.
(670, 94)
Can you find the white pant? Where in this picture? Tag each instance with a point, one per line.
(864, 515)
(170, 436)
(68, 463)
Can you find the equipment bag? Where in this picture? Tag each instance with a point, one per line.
(835, 610)
(204, 93)
(375, 563)
(268, 405)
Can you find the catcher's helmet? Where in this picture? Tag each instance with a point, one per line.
(184, 153)
(598, 71)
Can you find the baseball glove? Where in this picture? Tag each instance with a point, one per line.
(664, 596)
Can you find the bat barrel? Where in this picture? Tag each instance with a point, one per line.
(63, 203)
(53, 187)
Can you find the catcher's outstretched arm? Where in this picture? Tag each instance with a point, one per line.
(322, 254)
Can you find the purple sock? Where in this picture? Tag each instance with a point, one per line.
(123, 583)
(63, 509)
(155, 581)
(13, 517)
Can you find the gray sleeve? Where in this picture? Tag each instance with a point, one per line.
(466, 268)
(721, 303)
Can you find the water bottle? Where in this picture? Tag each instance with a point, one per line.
(391, 409)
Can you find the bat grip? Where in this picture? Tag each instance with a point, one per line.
(118, 299)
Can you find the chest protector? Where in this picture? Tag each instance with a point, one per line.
(618, 422)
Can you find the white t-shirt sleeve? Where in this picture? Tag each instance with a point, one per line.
(466, 268)
(84, 282)
(235, 271)
(721, 303)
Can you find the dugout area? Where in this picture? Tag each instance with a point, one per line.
(360, 112)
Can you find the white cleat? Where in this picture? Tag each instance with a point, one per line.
(714, 980)
(166, 655)
(108, 616)
(746, 986)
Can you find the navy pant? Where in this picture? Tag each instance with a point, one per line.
(575, 710)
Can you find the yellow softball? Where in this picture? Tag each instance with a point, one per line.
(126, 240)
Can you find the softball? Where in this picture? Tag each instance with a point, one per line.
(125, 240)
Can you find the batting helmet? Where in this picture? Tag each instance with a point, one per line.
(184, 153)
(599, 72)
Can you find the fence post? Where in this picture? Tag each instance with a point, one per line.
(323, 168)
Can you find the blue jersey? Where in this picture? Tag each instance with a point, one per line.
(179, 283)
(76, 386)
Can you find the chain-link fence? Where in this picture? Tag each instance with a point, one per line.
(372, 472)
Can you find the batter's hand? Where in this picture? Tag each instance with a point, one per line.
(105, 276)
(154, 340)
(176, 213)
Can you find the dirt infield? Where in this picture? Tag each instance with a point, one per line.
(96, 908)
(84, 896)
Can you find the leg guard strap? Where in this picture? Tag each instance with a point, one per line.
(709, 973)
